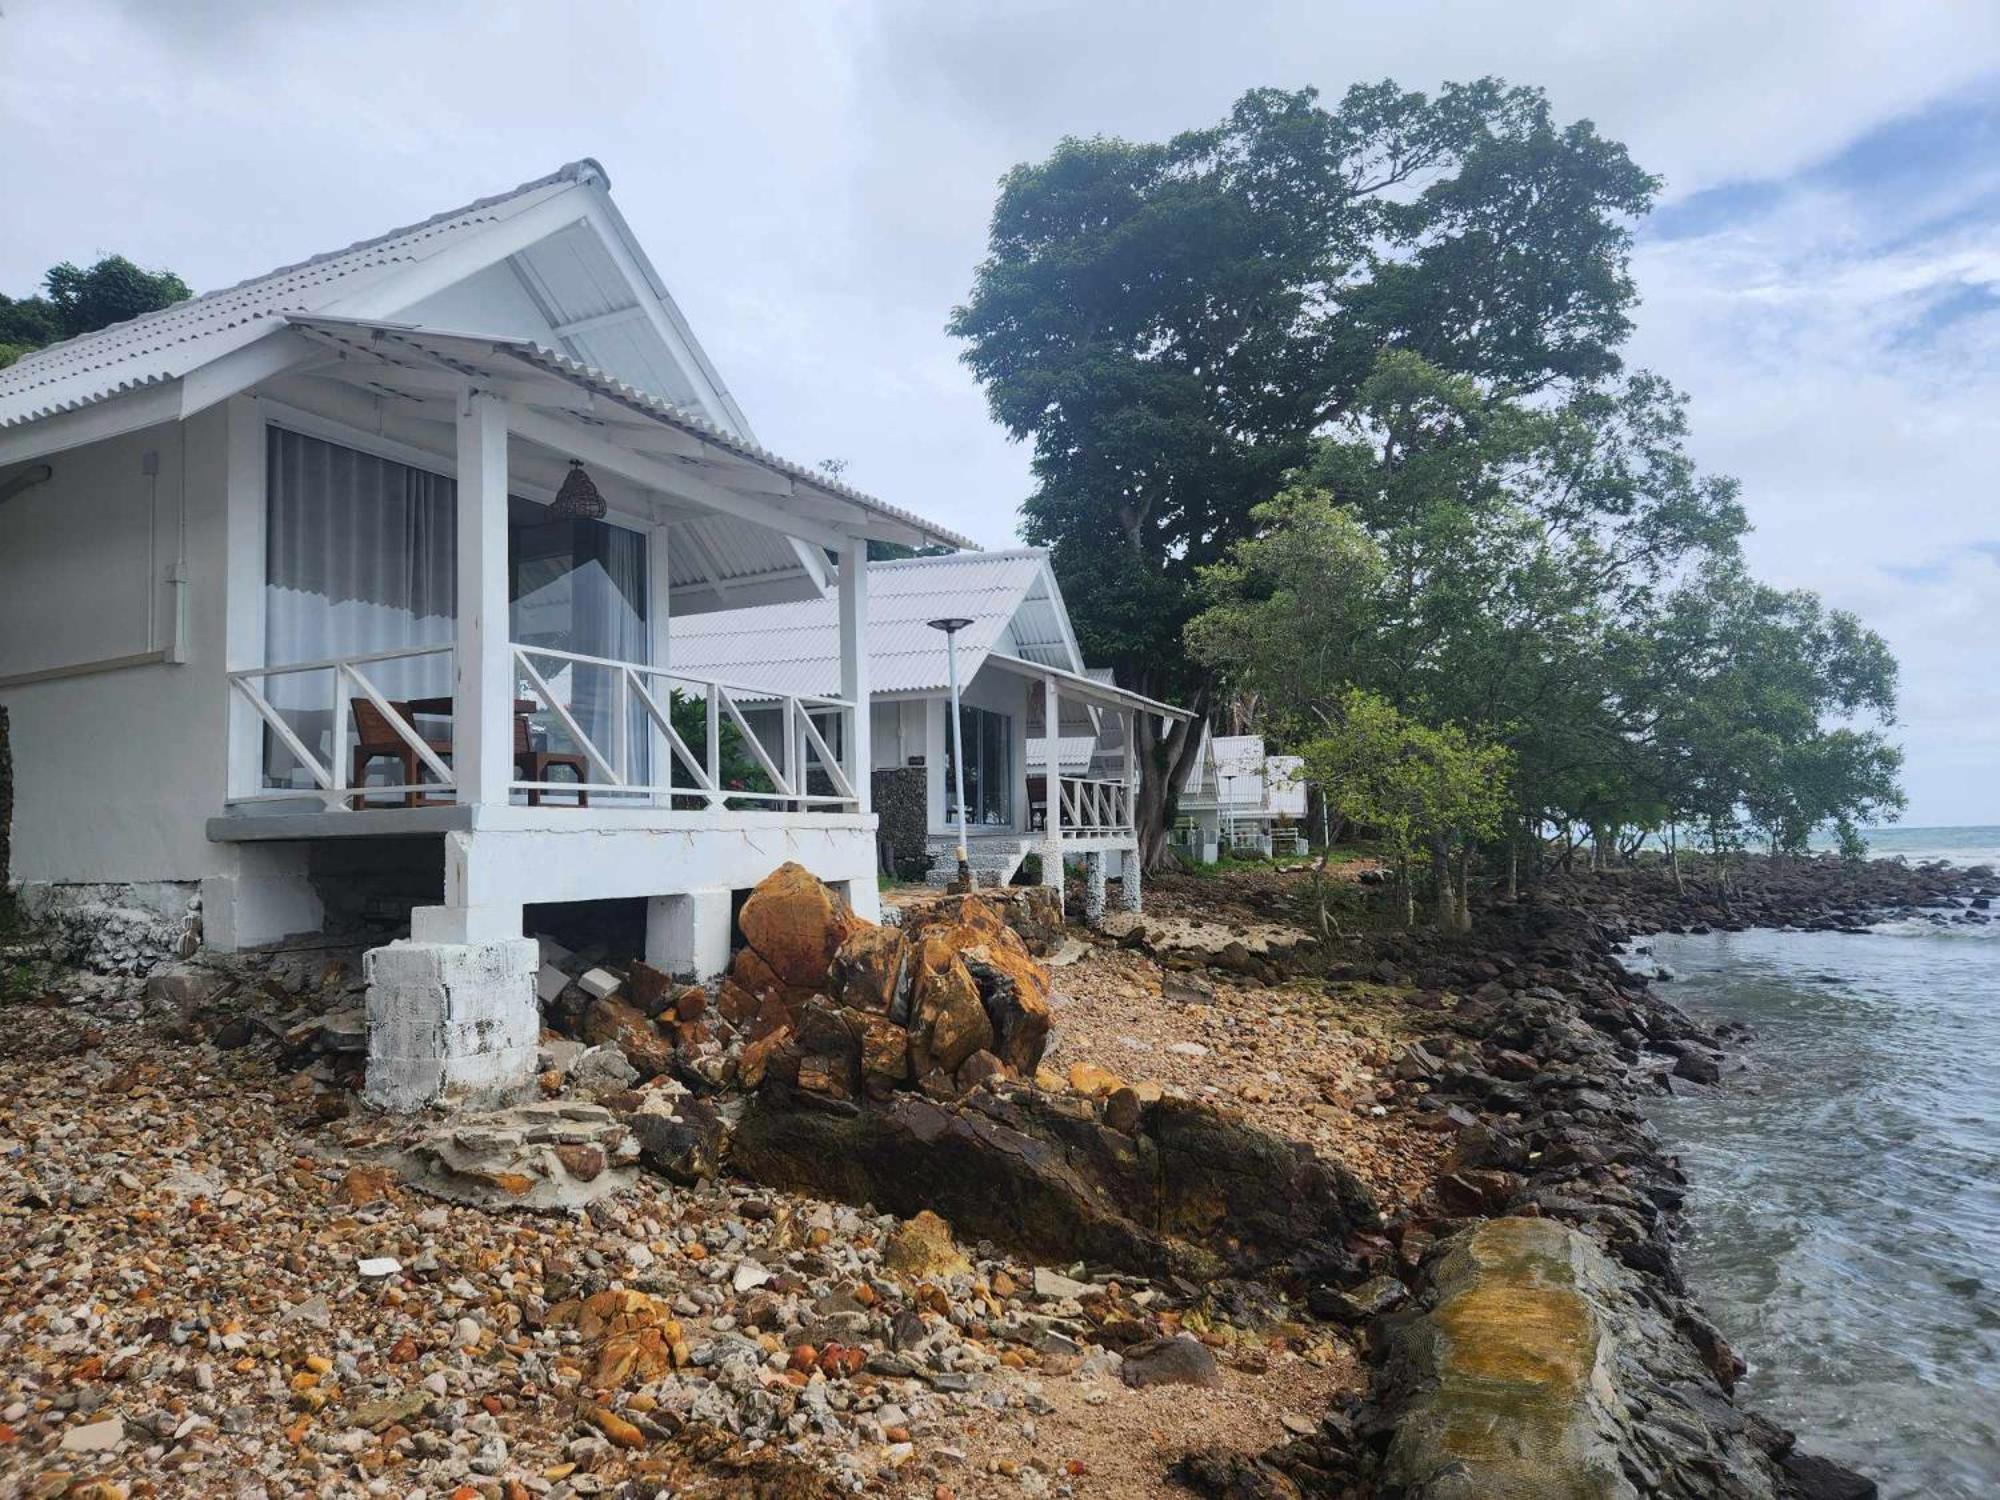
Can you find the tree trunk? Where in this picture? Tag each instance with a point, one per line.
(1163, 762)
(1446, 915)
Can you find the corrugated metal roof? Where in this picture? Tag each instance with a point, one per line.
(795, 648)
(167, 344)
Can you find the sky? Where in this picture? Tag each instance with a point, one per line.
(814, 181)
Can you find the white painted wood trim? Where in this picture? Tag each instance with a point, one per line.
(858, 743)
(483, 721)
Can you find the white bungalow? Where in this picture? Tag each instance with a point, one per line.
(390, 550)
(1022, 680)
(1238, 796)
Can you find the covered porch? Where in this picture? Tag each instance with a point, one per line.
(430, 637)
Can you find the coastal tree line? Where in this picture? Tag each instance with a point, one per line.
(1328, 411)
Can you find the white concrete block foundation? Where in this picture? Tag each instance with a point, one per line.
(688, 936)
(451, 1023)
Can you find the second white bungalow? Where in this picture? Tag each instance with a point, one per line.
(1023, 683)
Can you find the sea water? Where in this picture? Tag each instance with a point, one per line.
(1843, 1223)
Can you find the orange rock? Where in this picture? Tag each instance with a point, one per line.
(755, 1059)
(643, 1043)
(404, 1351)
(1092, 1081)
(369, 1182)
(948, 1023)
(871, 969)
(796, 924)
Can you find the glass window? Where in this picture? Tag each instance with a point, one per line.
(989, 769)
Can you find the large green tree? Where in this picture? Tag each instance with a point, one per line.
(77, 299)
(1172, 324)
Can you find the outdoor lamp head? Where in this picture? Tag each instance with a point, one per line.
(950, 625)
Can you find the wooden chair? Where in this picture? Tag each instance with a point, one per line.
(531, 764)
(377, 740)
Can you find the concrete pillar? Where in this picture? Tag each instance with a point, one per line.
(1052, 869)
(265, 898)
(689, 935)
(1131, 896)
(1093, 887)
(451, 1023)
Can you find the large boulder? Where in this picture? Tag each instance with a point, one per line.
(796, 924)
(1533, 1365)
(1013, 989)
(1043, 1174)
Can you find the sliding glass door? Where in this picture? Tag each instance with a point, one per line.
(989, 769)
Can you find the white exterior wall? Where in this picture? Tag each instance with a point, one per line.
(900, 730)
(116, 773)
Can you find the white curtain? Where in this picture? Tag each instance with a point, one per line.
(359, 556)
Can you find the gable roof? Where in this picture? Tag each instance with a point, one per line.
(559, 242)
(1010, 597)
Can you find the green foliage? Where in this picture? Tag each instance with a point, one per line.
(1170, 324)
(80, 300)
(1419, 788)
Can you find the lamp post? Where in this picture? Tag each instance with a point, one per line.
(1228, 817)
(951, 626)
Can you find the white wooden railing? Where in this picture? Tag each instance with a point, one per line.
(350, 678)
(1094, 808)
(641, 695)
(790, 754)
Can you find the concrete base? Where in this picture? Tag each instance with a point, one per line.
(267, 897)
(1093, 888)
(1131, 886)
(1052, 870)
(688, 936)
(451, 1023)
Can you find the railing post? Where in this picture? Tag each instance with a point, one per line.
(621, 725)
(714, 745)
(337, 759)
(789, 730)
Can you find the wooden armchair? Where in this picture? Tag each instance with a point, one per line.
(376, 739)
(531, 764)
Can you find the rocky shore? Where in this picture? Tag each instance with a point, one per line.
(1207, 1206)
(1528, 1328)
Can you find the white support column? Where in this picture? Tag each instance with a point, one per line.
(243, 601)
(857, 750)
(1131, 717)
(659, 640)
(482, 720)
(1052, 767)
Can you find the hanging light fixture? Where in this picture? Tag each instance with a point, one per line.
(578, 498)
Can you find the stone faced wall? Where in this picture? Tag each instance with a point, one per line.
(901, 803)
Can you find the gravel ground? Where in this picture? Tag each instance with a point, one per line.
(210, 1286)
(1304, 1060)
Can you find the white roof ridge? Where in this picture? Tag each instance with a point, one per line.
(584, 169)
(961, 556)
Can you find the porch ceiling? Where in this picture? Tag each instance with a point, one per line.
(573, 409)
